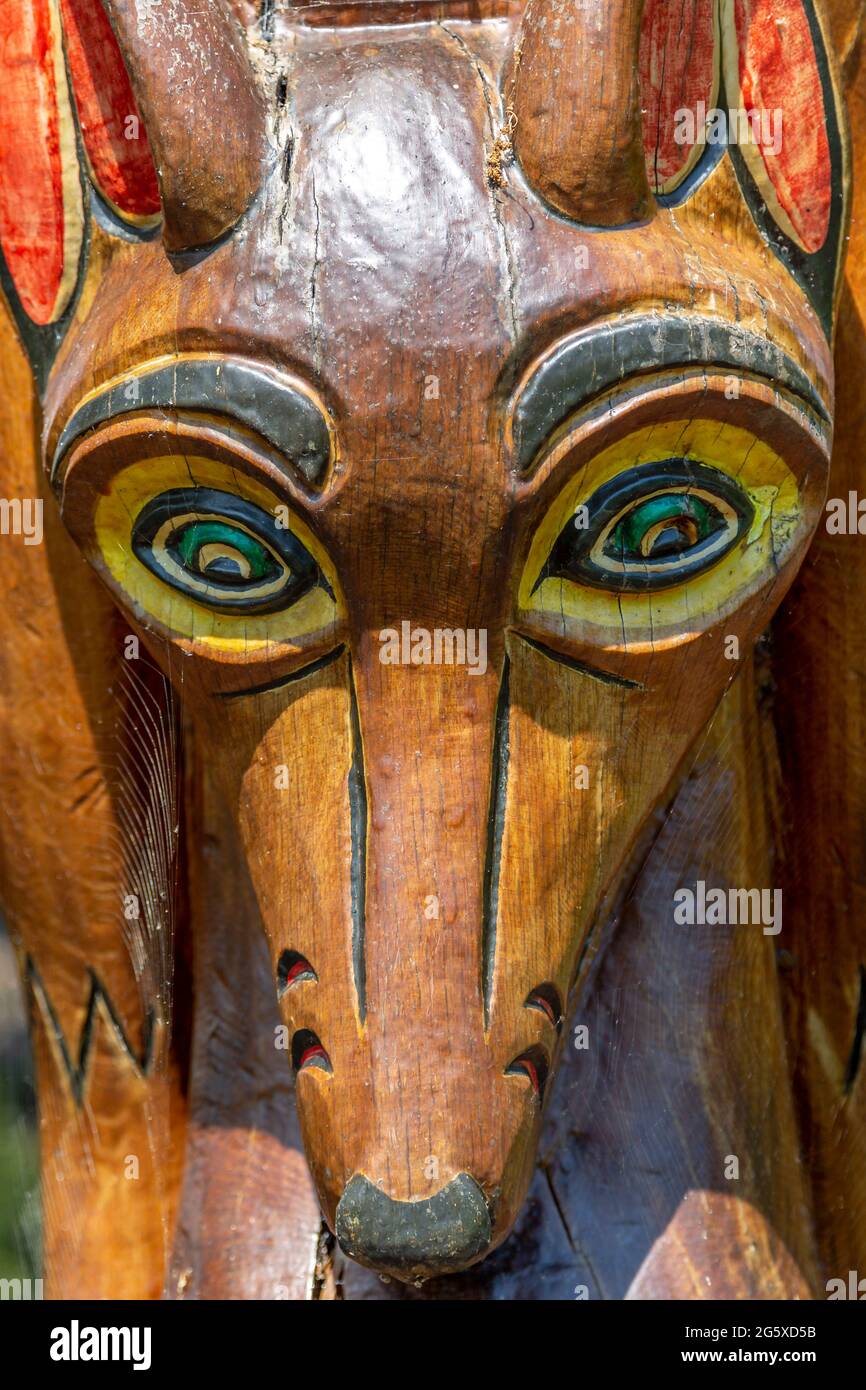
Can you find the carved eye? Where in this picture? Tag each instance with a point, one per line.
(224, 552)
(650, 528)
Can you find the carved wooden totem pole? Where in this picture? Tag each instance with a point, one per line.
(426, 857)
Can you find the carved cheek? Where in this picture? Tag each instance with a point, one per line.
(588, 760)
(284, 761)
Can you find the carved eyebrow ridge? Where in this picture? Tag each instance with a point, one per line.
(279, 413)
(592, 361)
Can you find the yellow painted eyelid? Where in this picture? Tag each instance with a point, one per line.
(138, 484)
(759, 470)
(729, 448)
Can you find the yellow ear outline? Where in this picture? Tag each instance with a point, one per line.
(73, 211)
(644, 621)
(128, 493)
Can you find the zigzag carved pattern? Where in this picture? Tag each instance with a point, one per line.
(77, 1070)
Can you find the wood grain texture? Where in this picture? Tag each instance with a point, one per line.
(821, 809)
(408, 882)
(631, 1198)
(579, 142)
(118, 150)
(109, 1085)
(248, 1222)
(202, 109)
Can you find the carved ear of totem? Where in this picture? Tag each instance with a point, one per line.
(777, 63)
(191, 74)
(627, 107)
(115, 113)
(575, 92)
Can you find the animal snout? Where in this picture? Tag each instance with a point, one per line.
(439, 1235)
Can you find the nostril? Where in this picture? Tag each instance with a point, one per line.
(534, 1064)
(292, 968)
(546, 999)
(307, 1051)
(440, 1235)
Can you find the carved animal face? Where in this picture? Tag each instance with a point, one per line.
(450, 507)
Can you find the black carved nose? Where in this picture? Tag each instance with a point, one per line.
(408, 1239)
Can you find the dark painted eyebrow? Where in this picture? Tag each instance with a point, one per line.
(592, 361)
(276, 411)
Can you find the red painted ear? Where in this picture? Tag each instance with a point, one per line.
(41, 217)
(679, 73)
(771, 66)
(114, 137)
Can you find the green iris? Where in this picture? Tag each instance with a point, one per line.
(226, 553)
(669, 524)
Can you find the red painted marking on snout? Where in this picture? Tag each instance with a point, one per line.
(311, 1054)
(534, 1064)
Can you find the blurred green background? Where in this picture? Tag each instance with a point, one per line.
(20, 1216)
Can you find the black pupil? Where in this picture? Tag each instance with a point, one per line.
(680, 536)
(224, 567)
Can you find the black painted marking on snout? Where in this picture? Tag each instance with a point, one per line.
(358, 822)
(856, 1053)
(309, 670)
(594, 672)
(495, 828)
(440, 1235)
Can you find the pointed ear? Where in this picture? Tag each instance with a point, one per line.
(67, 114)
(41, 209)
(59, 60)
(204, 114)
(680, 61)
(575, 90)
(114, 138)
(756, 80)
(777, 63)
(159, 111)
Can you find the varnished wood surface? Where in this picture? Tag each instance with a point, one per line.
(185, 59)
(374, 252)
(69, 740)
(585, 158)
